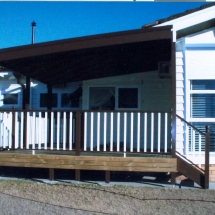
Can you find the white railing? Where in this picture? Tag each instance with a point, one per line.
(5, 129)
(121, 131)
(137, 131)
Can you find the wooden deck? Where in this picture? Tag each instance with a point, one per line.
(88, 161)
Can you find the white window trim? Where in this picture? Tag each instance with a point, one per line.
(188, 107)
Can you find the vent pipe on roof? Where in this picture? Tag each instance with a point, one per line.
(33, 24)
(151, 24)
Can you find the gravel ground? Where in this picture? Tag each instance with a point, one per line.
(27, 197)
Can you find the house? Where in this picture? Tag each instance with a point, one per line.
(137, 92)
(194, 34)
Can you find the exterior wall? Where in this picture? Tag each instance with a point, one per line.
(9, 85)
(180, 95)
(38, 88)
(195, 60)
(155, 93)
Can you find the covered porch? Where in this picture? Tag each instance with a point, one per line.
(141, 140)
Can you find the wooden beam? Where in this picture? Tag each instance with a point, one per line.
(77, 175)
(90, 163)
(146, 34)
(107, 176)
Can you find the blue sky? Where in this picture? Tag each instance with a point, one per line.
(61, 20)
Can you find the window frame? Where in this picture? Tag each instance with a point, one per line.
(17, 106)
(116, 87)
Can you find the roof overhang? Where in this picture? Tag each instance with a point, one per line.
(91, 57)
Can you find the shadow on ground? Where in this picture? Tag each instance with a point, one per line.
(155, 179)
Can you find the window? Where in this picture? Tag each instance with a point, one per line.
(202, 99)
(112, 98)
(102, 98)
(127, 98)
(44, 100)
(202, 109)
(67, 100)
(10, 99)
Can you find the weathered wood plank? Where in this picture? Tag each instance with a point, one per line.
(90, 162)
(110, 168)
(90, 158)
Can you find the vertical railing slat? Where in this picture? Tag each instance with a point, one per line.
(194, 142)
(152, 132)
(125, 131)
(159, 130)
(118, 132)
(111, 131)
(21, 129)
(200, 149)
(64, 130)
(52, 129)
(9, 127)
(98, 131)
(105, 130)
(27, 129)
(16, 131)
(33, 130)
(70, 130)
(132, 131)
(46, 131)
(138, 132)
(91, 131)
(58, 130)
(165, 136)
(85, 131)
(40, 130)
(145, 132)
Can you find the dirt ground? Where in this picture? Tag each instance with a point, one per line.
(28, 197)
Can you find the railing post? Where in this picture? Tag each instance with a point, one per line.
(13, 127)
(207, 154)
(78, 141)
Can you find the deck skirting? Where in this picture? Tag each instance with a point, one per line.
(134, 164)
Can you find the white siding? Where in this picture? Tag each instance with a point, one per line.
(180, 96)
(200, 63)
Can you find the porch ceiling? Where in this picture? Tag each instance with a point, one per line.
(91, 57)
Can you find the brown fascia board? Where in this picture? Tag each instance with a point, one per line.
(45, 48)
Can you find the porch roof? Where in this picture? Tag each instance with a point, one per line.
(84, 58)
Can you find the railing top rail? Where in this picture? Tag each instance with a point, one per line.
(193, 127)
(95, 111)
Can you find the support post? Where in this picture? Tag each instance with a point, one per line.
(107, 176)
(173, 67)
(13, 128)
(51, 174)
(27, 107)
(27, 93)
(207, 156)
(49, 107)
